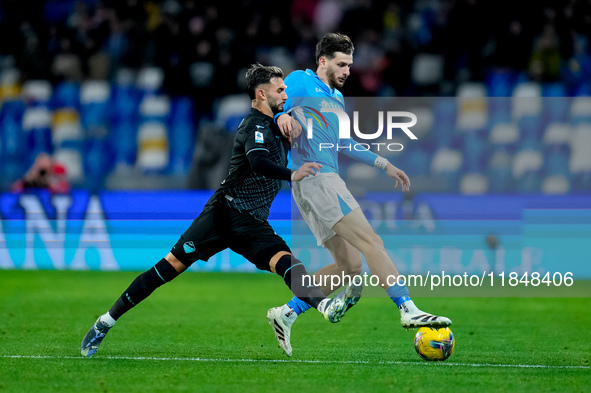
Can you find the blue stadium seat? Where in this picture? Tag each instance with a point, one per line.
(500, 83)
(555, 89)
(499, 110)
(66, 95)
(444, 113)
(94, 100)
(99, 161)
(500, 174)
(182, 134)
(530, 130)
(475, 152)
(556, 109)
(123, 140)
(13, 149)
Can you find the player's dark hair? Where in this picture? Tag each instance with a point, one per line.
(331, 43)
(259, 74)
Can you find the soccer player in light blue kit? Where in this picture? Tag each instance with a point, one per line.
(327, 206)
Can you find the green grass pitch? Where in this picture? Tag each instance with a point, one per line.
(208, 332)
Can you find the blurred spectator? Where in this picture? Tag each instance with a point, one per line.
(546, 59)
(44, 173)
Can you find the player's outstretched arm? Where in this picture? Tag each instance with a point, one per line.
(398, 175)
(308, 169)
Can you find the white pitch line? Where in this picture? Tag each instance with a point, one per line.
(437, 364)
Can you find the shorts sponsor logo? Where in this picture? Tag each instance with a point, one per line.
(189, 247)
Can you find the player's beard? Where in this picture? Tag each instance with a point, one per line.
(276, 107)
(333, 80)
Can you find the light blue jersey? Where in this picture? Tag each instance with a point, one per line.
(307, 96)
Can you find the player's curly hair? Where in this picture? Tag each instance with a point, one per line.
(259, 74)
(331, 43)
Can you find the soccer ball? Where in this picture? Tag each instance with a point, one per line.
(434, 344)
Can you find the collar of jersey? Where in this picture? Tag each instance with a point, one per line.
(331, 91)
(258, 113)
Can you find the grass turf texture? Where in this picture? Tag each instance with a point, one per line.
(222, 316)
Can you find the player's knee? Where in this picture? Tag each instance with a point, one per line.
(353, 269)
(175, 263)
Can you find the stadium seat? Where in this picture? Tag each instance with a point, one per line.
(67, 132)
(231, 107)
(505, 135)
(154, 108)
(556, 109)
(500, 83)
(94, 100)
(182, 134)
(445, 114)
(527, 168)
(36, 92)
(10, 87)
(500, 173)
(555, 184)
(555, 89)
(152, 140)
(427, 69)
(66, 95)
(530, 131)
(99, 161)
(150, 79)
(526, 100)
(472, 107)
(13, 148)
(557, 134)
(474, 184)
(580, 110)
(425, 120)
(447, 163)
(415, 161)
(475, 151)
(36, 124)
(361, 178)
(580, 159)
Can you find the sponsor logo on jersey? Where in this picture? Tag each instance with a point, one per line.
(258, 137)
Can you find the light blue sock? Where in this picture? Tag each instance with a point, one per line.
(298, 305)
(398, 293)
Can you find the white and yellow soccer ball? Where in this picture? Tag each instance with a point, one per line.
(434, 344)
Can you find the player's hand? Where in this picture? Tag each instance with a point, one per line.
(400, 177)
(308, 169)
(285, 125)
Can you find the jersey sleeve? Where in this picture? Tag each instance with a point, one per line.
(257, 137)
(356, 151)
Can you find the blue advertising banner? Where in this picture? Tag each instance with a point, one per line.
(132, 230)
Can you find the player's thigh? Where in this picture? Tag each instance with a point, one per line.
(346, 256)
(356, 230)
(207, 235)
(257, 242)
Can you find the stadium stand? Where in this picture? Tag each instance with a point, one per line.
(129, 89)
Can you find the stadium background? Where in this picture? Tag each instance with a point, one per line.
(138, 98)
(146, 95)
